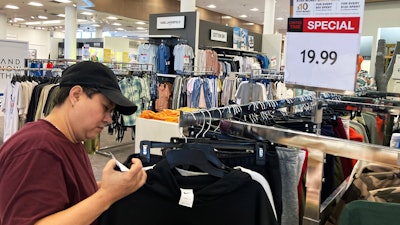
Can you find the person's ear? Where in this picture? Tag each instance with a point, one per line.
(75, 93)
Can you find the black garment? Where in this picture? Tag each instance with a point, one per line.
(270, 171)
(233, 199)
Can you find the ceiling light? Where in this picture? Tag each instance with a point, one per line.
(116, 24)
(279, 18)
(61, 15)
(140, 28)
(35, 4)
(120, 29)
(112, 18)
(226, 17)
(63, 1)
(243, 16)
(51, 21)
(254, 9)
(33, 23)
(18, 19)
(212, 6)
(11, 7)
(43, 17)
(95, 25)
(140, 23)
(250, 24)
(87, 13)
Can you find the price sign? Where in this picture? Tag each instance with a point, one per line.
(322, 44)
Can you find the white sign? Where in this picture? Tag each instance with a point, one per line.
(171, 22)
(12, 60)
(328, 8)
(217, 35)
(323, 41)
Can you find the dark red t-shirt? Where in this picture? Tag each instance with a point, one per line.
(41, 172)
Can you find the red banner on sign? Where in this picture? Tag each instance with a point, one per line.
(332, 24)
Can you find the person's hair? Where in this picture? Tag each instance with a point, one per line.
(63, 93)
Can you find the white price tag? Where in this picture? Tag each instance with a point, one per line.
(322, 60)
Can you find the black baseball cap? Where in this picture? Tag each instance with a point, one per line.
(97, 75)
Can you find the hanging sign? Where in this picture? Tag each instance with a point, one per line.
(323, 41)
(217, 35)
(171, 22)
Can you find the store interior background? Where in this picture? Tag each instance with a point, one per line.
(381, 21)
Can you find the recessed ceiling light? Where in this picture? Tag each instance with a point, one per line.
(17, 19)
(95, 25)
(11, 7)
(87, 13)
(120, 28)
(212, 6)
(226, 17)
(112, 18)
(63, 1)
(140, 23)
(140, 28)
(279, 18)
(51, 22)
(43, 17)
(33, 23)
(250, 24)
(116, 24)
(61, 15)
(243, 16)
(35, 4)
(254, 9)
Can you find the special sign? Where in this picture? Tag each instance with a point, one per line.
(323, 41)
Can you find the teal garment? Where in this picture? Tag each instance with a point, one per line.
(131, 87)
(362, 212)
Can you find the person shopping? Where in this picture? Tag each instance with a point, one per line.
(45, 173)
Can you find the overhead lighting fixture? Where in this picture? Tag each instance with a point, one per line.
(95, 25)
(61, 15)
(87, 13)
(140, 23)
(254, 9)
(279, 18)
(63, 1)
(11, 7)
(35, 4)
(250, 24)
(116, 24)
(120, 28)
(243, 16)
(212, 6)
(43, 17)
(140, 28)
(33, 23)
(17, 19)
(51, 22)
(226, 17)
(112, 18)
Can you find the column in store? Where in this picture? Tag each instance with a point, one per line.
(3, 26)
(70, 33)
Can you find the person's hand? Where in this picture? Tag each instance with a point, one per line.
(116, 185)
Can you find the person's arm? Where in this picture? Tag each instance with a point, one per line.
(114, 186)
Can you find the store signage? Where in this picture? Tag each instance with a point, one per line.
(171, 22)
(323, 41)
(217, 35)
(12, 60)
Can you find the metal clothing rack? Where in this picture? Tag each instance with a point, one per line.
(317, 145)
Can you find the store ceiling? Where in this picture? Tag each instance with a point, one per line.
(129, 26)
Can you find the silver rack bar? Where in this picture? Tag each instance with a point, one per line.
(318, 146)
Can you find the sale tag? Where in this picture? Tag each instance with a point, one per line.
(323, 41)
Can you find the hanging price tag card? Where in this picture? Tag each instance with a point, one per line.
(323, 41)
